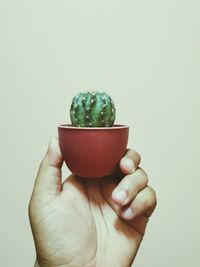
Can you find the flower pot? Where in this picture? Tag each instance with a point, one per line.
(93, 152)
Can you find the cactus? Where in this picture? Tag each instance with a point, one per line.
(92, 109)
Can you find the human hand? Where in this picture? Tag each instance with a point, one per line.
(89, 222)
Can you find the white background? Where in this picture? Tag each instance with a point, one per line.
(146, 55)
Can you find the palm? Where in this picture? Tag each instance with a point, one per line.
(80, 227)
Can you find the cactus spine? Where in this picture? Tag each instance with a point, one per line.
(92, 109)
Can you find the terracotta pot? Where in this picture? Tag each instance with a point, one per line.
(93, 152)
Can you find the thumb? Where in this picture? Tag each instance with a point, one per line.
(48, 180)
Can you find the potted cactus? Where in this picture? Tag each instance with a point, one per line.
(92, 145)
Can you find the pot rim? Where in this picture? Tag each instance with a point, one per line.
(114, 127)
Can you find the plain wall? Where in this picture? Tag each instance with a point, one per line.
(146, 55)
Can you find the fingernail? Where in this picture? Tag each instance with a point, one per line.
(120, 195)
(129, 164)
(128, 214)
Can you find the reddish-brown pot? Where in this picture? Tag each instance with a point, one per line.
(93, 152)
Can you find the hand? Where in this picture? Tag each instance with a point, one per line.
(89, 222)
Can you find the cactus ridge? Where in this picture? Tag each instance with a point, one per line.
(92, 109)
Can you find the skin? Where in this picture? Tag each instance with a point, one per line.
(89, 222)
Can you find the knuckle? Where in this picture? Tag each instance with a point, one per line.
(134, 155)
(143, 172)
(152, 197)
(135, 182)
(130, 151)
(145, 177)
(144, 202)
(148, 199)
(153, 193)
(141, 177)
(138, 157)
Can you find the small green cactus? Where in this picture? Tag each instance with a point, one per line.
(92, 109)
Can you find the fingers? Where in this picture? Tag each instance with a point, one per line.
(132, 196)
(48, 180)
(128, 188)
(143, 204)
(130, 161)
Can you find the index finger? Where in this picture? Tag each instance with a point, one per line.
(130, 162)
